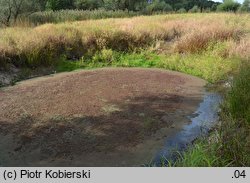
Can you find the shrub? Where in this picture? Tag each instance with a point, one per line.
(182, 10)
(229, 5)
(195, 9)
(245, 7)
(105, 56)
(88, 4)
(59, 4)
(159, 5)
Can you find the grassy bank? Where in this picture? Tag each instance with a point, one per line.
(229, 144)
(186, 33)
(207, 65)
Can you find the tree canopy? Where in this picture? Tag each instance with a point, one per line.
(10, 10)
(245, 6)
(229, 5)
(131, 5)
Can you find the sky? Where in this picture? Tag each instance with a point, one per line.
(240, 1)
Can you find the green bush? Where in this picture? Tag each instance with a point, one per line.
(59, 4)
(159, 5)
(182, 10)
(88, 4)
(245, 6)
(195, 9)
(229, 5)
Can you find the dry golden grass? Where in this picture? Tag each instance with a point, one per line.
(241, 49)
(42, 45)
(197, 40)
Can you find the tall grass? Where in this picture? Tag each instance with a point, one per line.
(75, 15)
(207, 65)
(44, 45)
(236, 124)
(229, 145)
(239, 96)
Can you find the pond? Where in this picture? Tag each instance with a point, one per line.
(103, 117)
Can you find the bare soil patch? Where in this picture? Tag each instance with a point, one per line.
(103, 117)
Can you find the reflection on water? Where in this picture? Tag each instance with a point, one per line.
(206, 118)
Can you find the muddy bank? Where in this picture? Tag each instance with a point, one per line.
(104, 117)
(11, 74)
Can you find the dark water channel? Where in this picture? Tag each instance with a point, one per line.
(206, 117)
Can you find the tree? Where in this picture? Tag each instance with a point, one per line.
(189, 4)
(110, 5)
(214, 7)
(59, 4)
(6, 10)
(245, 6)
(40, 4)
(195, 9)
(182, 10)
(201, 4)
(88, 4)
(229, 5)
(131, 4)
(159, 5)
(10, 10)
